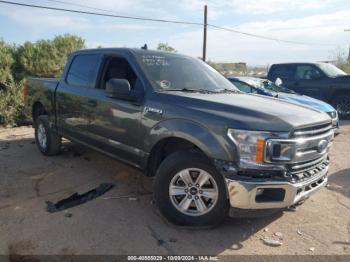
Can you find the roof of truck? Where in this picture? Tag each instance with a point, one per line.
(125, 49)
(298, 63)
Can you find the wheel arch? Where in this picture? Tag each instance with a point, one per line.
(37, 110)
(173, 135)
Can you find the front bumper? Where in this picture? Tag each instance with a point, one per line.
(273, 194)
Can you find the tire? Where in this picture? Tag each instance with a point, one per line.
(215, 209)
(342, 105)
(48, 142)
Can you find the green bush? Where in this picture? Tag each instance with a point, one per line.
(44, 58)
(6, 63)
(11, 103)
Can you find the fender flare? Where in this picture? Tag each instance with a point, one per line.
(195, 133)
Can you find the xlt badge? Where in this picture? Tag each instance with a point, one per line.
(153, 110)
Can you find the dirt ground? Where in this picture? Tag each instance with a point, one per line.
(128, 226)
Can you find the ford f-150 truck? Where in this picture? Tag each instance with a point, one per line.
(322, 81)
(209, 146)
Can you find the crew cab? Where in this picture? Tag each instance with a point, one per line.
(322, 81)
(210, 148)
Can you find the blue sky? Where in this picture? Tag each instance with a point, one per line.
(320, 22)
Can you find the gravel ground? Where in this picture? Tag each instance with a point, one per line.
(128, 226)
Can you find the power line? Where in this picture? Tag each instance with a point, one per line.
(226, 29)
(157, 20)
(87, 6)
(101, 14)
(267, 37)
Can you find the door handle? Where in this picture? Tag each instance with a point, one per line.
(92, 103)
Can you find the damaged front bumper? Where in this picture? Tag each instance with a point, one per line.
(273, 194)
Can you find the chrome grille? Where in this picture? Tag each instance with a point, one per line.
(309, 169)
(312, 131)
(309, 142)
(306, 144)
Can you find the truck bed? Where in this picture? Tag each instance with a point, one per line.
(43, 90)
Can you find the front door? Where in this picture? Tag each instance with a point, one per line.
(115, 123)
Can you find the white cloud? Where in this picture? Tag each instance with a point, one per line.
(273, 6)
(47, 20)
(130, 27)
(226, 46)
(325, 27)
(113, 5)
(218, 7)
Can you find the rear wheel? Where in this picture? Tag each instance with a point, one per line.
(48, 142)
(342, 105)
(189, 191)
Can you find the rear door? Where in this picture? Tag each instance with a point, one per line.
(74, 95)
(285, 72)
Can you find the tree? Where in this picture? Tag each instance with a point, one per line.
(339, 56)
(166, 47)
(6, 64)
(341, 59)
(10, 91)
(46, 58)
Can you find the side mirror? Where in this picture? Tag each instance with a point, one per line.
(278, 81)
(118, 88)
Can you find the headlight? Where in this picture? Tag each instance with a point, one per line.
(254, 148)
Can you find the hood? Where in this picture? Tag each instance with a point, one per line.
(307, 101)
(244, 111)
(345, 77)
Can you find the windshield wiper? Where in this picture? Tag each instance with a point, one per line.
(228, 91)
(191, 90)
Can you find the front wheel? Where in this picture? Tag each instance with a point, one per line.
(189, 191)
(342, 105)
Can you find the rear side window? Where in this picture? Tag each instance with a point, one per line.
(83, 71)
(281, 71)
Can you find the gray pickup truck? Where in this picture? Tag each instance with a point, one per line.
(210, 148)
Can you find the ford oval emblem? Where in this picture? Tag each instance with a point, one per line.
(322, 145)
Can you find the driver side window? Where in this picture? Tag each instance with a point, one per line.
(118, 68)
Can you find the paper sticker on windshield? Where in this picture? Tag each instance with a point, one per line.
(155, 60)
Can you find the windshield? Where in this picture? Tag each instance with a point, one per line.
(268, 85)
(331, 70)
(275, 88)
(169, 72)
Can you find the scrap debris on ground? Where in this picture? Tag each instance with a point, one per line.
(78, 199)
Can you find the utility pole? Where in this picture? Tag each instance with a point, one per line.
(205, 33)
(348, 30)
